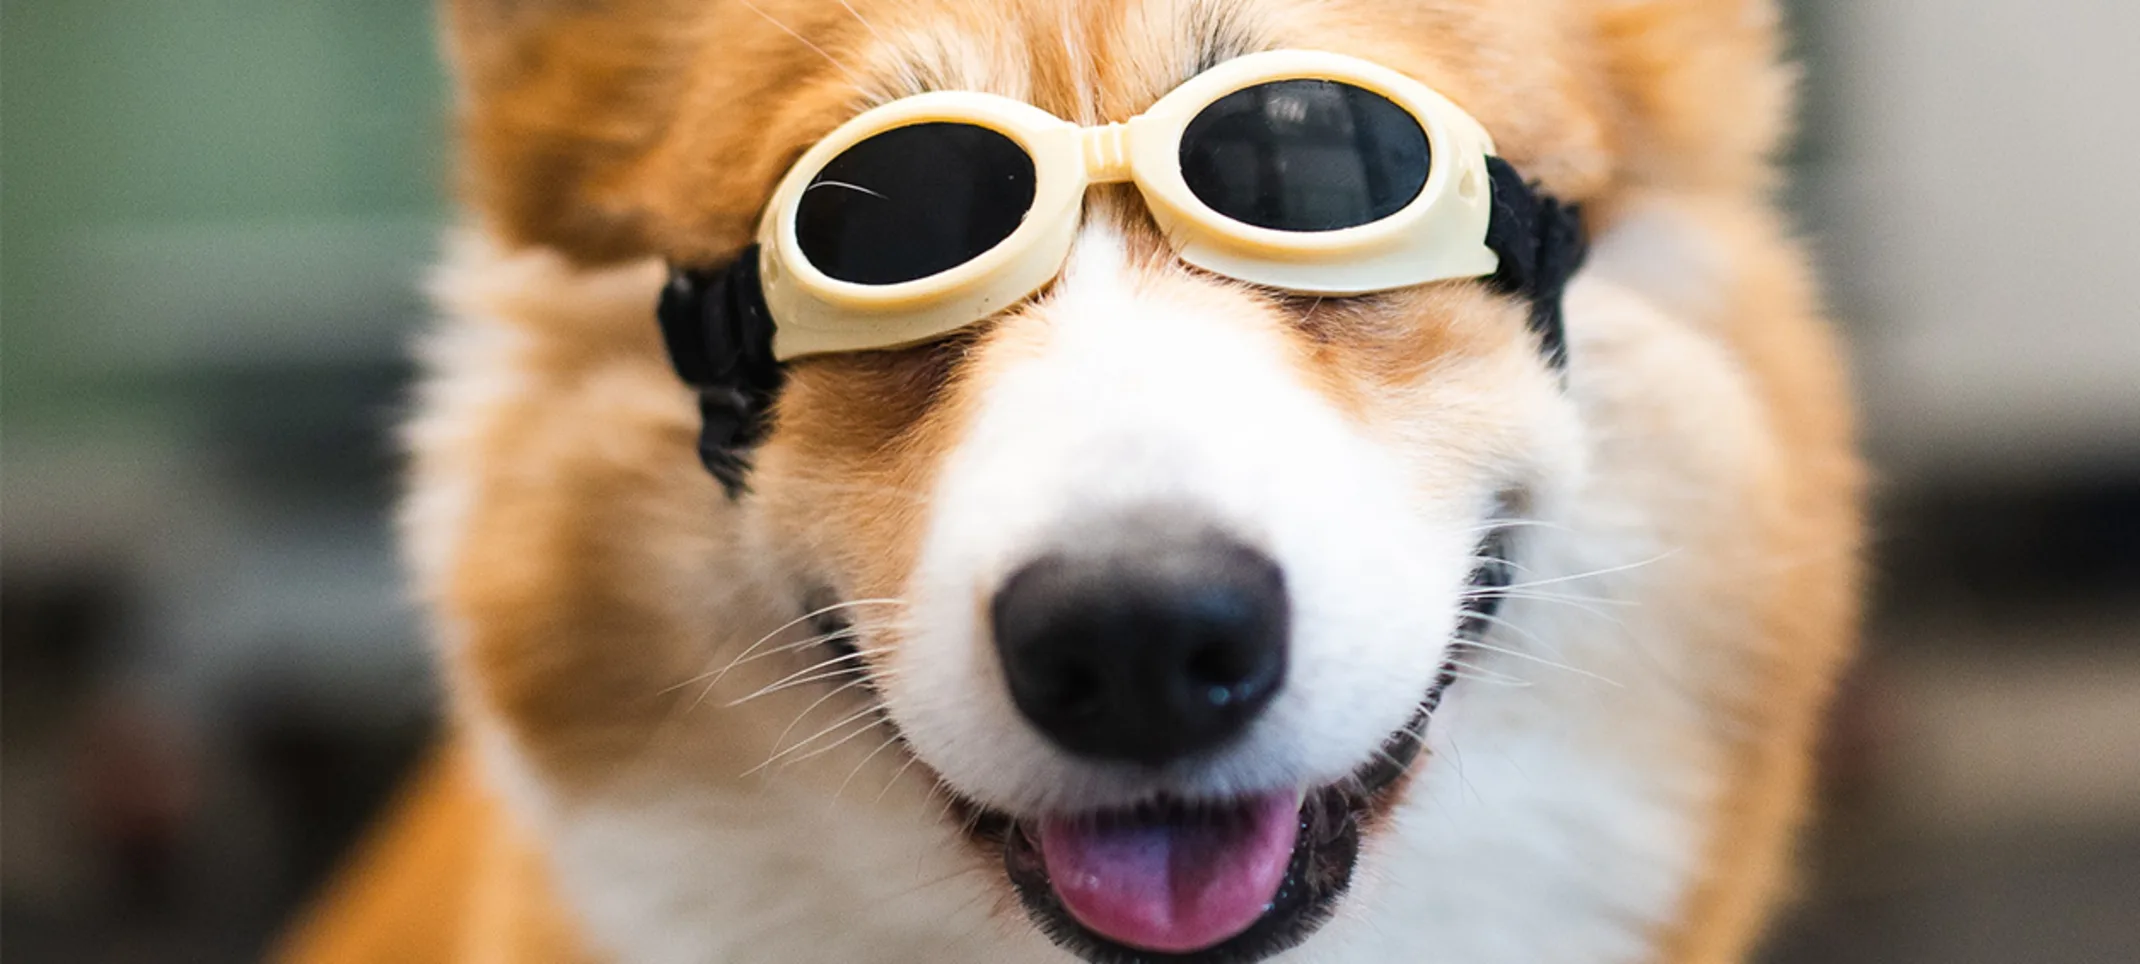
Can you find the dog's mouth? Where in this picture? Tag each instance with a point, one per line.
(1233, 880)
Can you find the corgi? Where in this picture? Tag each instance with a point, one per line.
(1156, 614)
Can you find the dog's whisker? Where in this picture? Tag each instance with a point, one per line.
(851, 76)
(1457, 753)
(889, 740)
(795, 678)
(869, 725)
(1593, 612)
(894, 780)
(1481, 561)
(792, 683)
(1653, 560)
(970, 824)
(707, 691)
(1518, 592)
(864, 21)
(837, 635)
(857, 188)
(1480, 674)
(840, 635)
(804, 618)
(713, 677)
(1479, 670)
(1506, 623)
(948, 795)
(1513, 684)
(814, 704)
(1392, 759)
(1579, 604)
(1415, 732)
(812, 738)
(1540, 660)
(1496, 525)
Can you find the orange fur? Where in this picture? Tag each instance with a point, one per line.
(448, 878)
(599, 134)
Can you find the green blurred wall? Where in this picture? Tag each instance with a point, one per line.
(177, 175)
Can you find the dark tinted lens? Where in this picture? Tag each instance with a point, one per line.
(914, 201)
(1305, 155)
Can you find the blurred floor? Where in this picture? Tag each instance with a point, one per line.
(2008, 899)
(1999, 823)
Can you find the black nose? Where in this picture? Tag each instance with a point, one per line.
(1155, 648)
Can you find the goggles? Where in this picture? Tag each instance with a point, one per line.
(1307, 172)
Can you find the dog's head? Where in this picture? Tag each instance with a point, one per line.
(1160, 574)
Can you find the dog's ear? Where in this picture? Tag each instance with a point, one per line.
(614, 129)
(1704, 101)
(555, 99)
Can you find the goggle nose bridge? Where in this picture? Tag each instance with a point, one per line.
(1106, 149)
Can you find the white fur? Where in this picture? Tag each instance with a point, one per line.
(1668, 254)
(1133, 402)
(476, 365)
(1560, 811)
(673, 872)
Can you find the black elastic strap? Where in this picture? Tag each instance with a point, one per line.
(720, 338)
(1540, 241)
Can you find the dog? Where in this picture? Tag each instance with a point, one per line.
(1506, 613)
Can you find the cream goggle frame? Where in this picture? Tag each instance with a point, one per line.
(1287, 134)
(1304, 171)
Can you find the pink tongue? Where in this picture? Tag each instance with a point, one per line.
(1175, 885)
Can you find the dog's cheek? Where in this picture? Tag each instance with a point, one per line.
(1363, 352)
(1447, 375)
(558, 616)
(858, 443)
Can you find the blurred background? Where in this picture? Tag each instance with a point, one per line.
(214, 221)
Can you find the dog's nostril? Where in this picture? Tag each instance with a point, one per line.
(1222, 678)
(1220, 667)
(1161, 644)
(1077, 689)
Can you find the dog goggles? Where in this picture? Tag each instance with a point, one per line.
(1308, 172)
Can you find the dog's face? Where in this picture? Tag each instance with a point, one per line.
(1171, 568)
(1158, 575)
(1159, 551)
